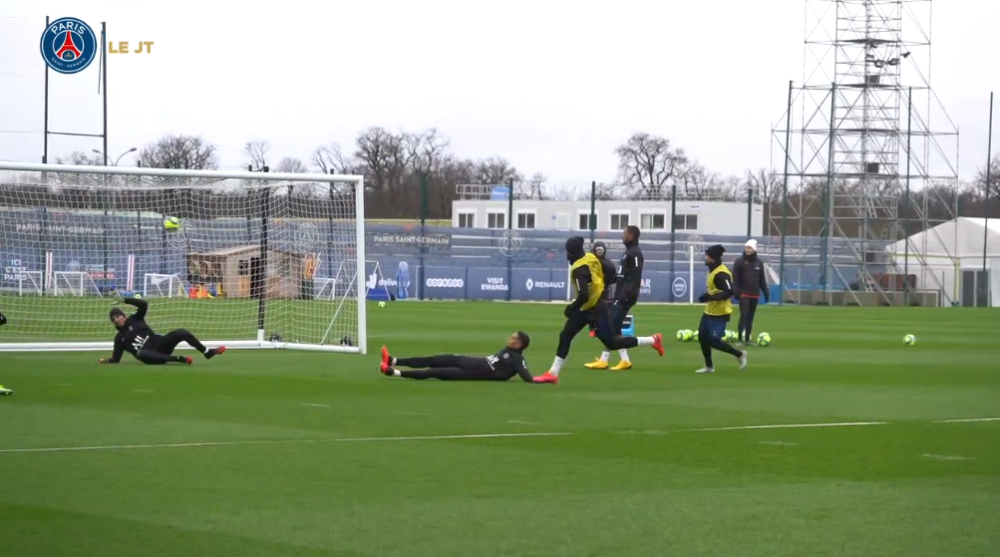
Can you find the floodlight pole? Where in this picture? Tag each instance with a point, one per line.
(784, 196)
(986, 199)
(906, 216)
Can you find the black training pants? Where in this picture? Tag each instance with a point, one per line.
(448, 367)
(158, 349)
(748, 307)
(606, 331)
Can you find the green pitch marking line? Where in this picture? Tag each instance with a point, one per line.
(967, 420)
(280, 442)
(447, 437)
(788, 426)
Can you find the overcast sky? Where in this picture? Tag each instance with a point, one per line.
(551, 85)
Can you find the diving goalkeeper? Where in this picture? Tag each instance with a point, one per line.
(137, 338)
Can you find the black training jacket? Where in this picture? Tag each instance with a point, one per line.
(749, 278)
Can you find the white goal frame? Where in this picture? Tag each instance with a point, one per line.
(71, 277)
(151, 279)
(361, 346)
(35, 287)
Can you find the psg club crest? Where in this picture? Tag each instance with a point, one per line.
(510, 243)
(69, 45)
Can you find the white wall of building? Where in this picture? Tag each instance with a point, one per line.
(703, 217)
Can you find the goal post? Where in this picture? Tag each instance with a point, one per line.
(243, 262)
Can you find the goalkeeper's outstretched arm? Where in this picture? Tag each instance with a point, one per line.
(140, 305)
(116, 356)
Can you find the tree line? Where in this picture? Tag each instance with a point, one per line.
(399, 166)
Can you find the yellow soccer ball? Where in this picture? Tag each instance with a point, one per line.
(171, 224)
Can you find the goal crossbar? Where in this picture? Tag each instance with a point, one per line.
(103, 246)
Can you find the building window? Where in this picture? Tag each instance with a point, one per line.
(586, 221)
(619, 221)
(652, 221)
(496, 220)
(686, 222)
(526, 221)
(466, 220)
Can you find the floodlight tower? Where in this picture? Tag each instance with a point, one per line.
(858, 146)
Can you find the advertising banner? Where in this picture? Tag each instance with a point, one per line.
(543, 285)
(444, 283)
(487, 283)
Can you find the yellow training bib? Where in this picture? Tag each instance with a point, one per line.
(718, 307)
(596, 286)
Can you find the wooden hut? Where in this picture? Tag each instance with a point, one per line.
(238, 272)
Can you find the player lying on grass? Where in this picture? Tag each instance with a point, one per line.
(137, 338)
(502, 366)
(718, 308)
(628, 283)
(589, 307)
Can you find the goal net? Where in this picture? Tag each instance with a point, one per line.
(251, 264)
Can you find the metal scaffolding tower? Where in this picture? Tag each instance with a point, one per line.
(863, 166)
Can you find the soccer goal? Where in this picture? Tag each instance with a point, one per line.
(156, 285)
(244, 268)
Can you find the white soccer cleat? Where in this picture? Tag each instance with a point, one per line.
(705, 370)
(743, 361)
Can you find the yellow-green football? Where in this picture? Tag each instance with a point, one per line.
(909, 340)
(171, 224)
(763, 339)
(684, 335)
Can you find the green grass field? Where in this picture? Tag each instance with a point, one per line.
(280, 453)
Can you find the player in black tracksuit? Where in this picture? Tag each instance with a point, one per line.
(610, 276)
(503, 365)
(136, 337)
(749, 285)
(628, 283)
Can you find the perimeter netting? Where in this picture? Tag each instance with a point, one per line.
(257, 259)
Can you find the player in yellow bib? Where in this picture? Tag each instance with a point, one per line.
(718, 308)
(590, 307)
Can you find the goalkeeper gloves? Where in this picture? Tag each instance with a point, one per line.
(703, 298)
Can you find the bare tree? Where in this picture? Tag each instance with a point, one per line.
(291, 165)
(532, 188)
(329, 159)
(427, 150)
(385, 159)
(496, 170)
(179, 151)
(257, 154)
(647, 165)
(698, 182)
(994, 185)
(79, 158)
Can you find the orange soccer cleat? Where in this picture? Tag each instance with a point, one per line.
(658, 343)
(386, 359)
(547, 377)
